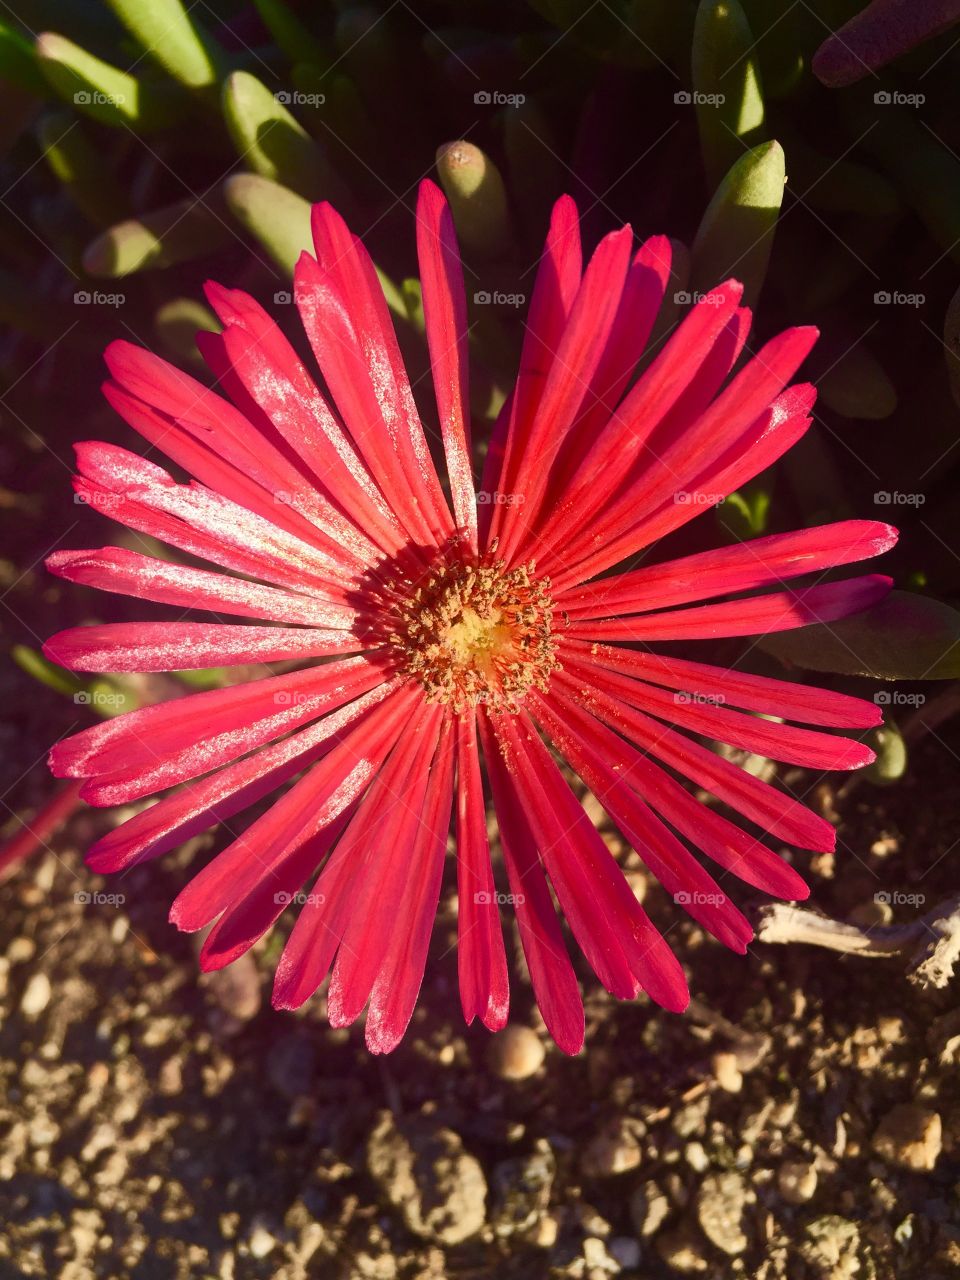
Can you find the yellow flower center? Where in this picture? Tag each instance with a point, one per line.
(477, 632)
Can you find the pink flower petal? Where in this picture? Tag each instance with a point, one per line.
(398, 982)
(670, 861)
(551, 973)
(445, 311)
(615, 451)
(176, 646)
(760, 562)
(380, 880)
(344, 887)
(214, 726)
(807, 747)
(771, 697)
(482, 961)
(777, 813)
(555, 287)
(315, 803)
(570, 373)
(131, 573)
(145, 497)
(219, 796)
(611, 765)
(747, 616)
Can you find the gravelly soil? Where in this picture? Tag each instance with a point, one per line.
(159, 1125)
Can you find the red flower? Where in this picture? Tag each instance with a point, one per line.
(477, 632)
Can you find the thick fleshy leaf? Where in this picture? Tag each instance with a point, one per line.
(904, 637)
(735, 236)
(167, 32)
(726, 82)
(272, 142)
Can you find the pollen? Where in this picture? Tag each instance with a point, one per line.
(477, 632)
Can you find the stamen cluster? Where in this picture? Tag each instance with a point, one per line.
(477, 632)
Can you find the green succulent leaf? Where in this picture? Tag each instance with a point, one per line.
(726, 85)
(100, 90)
(81, 168)
(275, 216)
(478, 198)
(176, 233)
(167, 32)
(735, 236)
(856, 386)
(18, 62)
(906, 637)
(272, 142)
(291, 37)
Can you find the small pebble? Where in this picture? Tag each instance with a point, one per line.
(727, 1072)
(683, 1249)
(649, 1207)
(696, 1157)
(720, 1205)
(21, 950)
(543, 1235)
(515, 1053)
(910, 1136)
(261, 1242)
(614, 1150)
(797, 1180)
(36, 996)
(626, 1251)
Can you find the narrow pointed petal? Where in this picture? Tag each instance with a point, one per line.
(481, 959)
(398, 983)
(573, 368)
(130, 573)
(555, 287)
(329, 787)
(608, 922)
(761, 562)
(747, 616)
(801, 702)
(188, 646)
(445, 310)
(551, 973)
(778, 813)
(219, 796)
